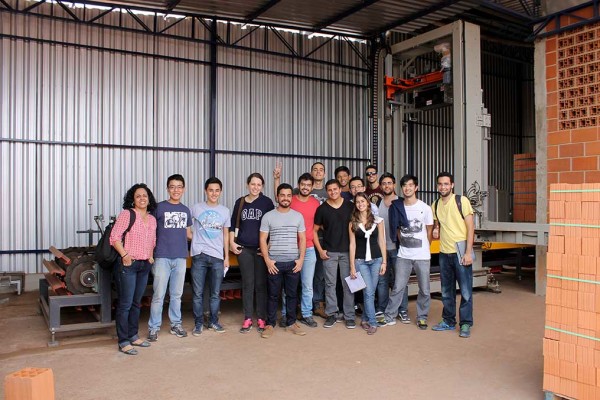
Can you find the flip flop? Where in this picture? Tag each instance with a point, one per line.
(129, 350)
(141, 343)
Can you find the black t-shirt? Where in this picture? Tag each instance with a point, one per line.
(334, 222)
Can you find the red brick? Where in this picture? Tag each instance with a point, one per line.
(585, 163)
(591, 148)
(559, 165)
(552, 125)
(553, 178)
(551, 100)
(551, 44)
(584, 135)
(571, 177)
(561, 137)
(551, 71)
(552, 152)
(571, 150)
(551, 58)
(586, 13)
(551, 85)
(590, 177)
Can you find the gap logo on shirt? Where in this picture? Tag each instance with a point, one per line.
(251, 213)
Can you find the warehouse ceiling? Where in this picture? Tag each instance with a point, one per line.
(508, 19)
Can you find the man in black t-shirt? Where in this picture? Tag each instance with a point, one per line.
(333, 217)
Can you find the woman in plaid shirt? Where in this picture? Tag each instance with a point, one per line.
(134, 263)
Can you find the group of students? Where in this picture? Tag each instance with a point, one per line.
(311, 239)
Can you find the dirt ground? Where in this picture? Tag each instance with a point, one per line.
(502, 359)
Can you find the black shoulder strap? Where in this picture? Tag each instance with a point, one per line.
(131, 222)
(459, 205)
(435, 204)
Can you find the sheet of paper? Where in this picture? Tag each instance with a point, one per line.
(356, 284)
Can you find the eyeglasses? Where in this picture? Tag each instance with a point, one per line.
(173, 187)
(371, 173)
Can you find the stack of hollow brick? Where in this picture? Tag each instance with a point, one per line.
(572, 327)
(524, 188)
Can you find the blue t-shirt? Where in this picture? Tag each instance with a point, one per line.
(209, 224)
(172, 221)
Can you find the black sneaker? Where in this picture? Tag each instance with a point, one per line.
(309, 321)
(350, 324)
(422, 324)
(403, 317)
(152, 335)
(330, 321)
(178, 331)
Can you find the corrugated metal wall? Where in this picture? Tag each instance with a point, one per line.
(86, 111)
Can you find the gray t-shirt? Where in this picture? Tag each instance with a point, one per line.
(384, 213)
(209, 223)
(283, 231)
(319, 194)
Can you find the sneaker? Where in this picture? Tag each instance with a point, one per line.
(371, 330)
(261, 325)
(365, 325)
(379, 314)
(282, 322)
(178, 331)
(422, 324)
(309, 321)
(350, 324)
(330, 321)
(197, 330)
(387, 322)
(465, 331)
(295, 329)
(217, 327)
(153, 335)
(442, 326)
(246, 326)
(267, 332)
(403, 317)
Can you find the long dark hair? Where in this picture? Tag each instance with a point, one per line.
(128, 199)
(355, 219)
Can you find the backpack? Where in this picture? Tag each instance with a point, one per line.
(458, 204)
(106, 255)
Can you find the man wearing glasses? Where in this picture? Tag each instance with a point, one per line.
(173, 231)
(374, 190)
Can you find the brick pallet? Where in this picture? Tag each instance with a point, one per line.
(572, 328)
(524, 188)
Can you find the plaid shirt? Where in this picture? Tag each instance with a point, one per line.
(140, 240)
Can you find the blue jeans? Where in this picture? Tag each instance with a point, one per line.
(203, 265)
(289, 280)
(167, 272)
(131, 284)
(307, 274)
(386, 281)
(370, 273)
(318, 282)
(451, 272)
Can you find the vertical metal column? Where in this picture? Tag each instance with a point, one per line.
(213, 99)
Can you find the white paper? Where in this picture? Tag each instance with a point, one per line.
(356, 284)
(225, 271)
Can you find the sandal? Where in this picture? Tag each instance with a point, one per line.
(141, 343)
(129, 350)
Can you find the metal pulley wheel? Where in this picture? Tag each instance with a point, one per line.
(82, 276)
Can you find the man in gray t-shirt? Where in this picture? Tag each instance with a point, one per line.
(284, 256)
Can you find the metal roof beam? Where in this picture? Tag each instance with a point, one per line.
(172, 4)
(251, 17)
(426, 11)
(507, 11)
(344, 14)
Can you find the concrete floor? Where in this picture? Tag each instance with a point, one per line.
(502, 359)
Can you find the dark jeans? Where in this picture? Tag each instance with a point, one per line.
(131, 284)
(204, 265)
(254, 280)
(290, 281)
(451, 272)
(318, 282)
